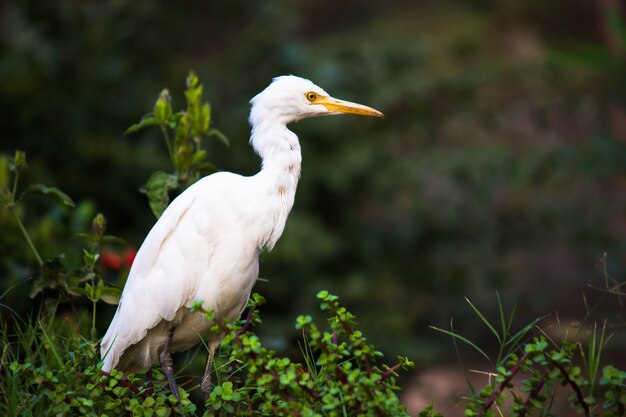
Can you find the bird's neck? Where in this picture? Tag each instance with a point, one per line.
(280, 152)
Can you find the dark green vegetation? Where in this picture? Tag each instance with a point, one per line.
(500, 164)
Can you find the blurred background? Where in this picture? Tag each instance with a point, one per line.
(500, 165)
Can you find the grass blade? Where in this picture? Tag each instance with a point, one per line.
(484, 320)
(462, 339)
(517, 336)
(505, 329)
(458, 356)
(55, 353)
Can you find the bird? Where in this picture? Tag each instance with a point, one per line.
(205, 246)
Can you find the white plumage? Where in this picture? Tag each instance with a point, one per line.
(206, 244)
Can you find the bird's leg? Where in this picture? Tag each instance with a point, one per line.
(167, 364)
(207, 385)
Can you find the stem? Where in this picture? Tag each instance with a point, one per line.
(168, 142)
(124, 382)
(492, 398)
(16, 178)
(94, 299)
(390, 371)
(573, 384)
(93, 322)
(27, 237)
(535, 391)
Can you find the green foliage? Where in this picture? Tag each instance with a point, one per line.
(545, 369)
(53, 368)
(10, 170)
(189, 128)
(341, 374)
(86, 280)
(529, 375)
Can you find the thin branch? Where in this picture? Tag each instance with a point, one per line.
(494, 395)
(534, 393)
(573, 384)
(168, 142)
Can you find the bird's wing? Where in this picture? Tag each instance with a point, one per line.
(161, 279)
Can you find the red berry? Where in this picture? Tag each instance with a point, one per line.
(110, 259)
(129, 256)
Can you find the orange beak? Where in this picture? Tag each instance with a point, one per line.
(342, 106)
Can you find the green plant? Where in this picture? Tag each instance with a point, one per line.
(68, 283)
(529, 373)
(188, 128)
(52, 368)
(341, 374)
(48, 368)
(11, 198)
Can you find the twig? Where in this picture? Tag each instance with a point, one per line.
(390, 371)
(574, 385)
(492, 398)
(533, 393)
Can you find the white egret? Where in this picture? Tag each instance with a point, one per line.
(206, 244)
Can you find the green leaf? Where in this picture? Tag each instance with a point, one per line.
(146, 120)
(322, 294)
(53, 191)
(205, 117)
(198, 156)
(192, 79)
(219, 136)
(183, 144)
(98, 290)
(98, 226)
(162, 411)
(114, 240)
(617, 25)
(163, 108)
(157, 189)
(90, 258)
(4, 173)
(111, 295)
(53, 274)
(193, 95)
(19, 161)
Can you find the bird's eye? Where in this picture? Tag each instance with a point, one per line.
(311, 96)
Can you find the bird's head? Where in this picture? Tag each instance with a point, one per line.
(289, 98)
